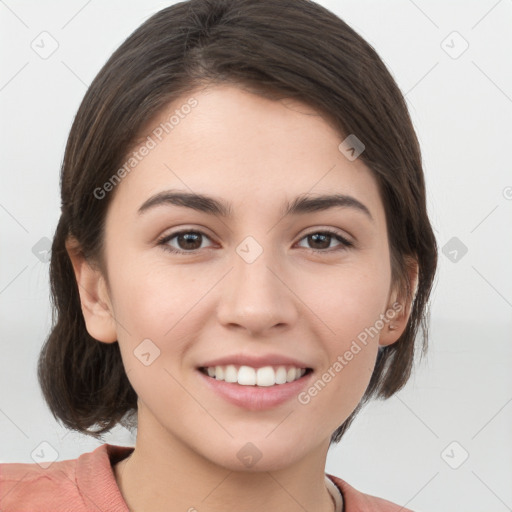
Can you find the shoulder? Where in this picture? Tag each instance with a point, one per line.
(60, 486)
(22, 485)
(356, 501)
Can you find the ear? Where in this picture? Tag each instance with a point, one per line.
(94, 298)
(395, 324)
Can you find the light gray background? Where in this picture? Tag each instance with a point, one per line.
(462, 111)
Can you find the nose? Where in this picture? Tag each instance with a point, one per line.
(257, 297)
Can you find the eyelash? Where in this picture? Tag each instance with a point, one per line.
(345, 244)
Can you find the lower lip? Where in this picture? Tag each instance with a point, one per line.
(256, 398)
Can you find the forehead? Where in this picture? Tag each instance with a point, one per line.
(254, 152)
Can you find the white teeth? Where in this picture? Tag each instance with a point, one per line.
(281, 375)
(265, 376)
(248, 376)
(230, 375)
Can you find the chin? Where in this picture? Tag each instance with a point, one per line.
(257, 453)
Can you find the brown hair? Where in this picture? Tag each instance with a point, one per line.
(287, 48)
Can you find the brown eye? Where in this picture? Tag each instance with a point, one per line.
(320, 241)
(183, 241)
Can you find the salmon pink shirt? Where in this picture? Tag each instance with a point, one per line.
(88, 484)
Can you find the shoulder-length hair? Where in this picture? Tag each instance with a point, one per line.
(278, 49)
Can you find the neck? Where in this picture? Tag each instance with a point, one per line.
(165, 474)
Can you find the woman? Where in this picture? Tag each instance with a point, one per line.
(243, 259)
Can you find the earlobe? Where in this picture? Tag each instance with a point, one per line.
(397, 323)
(94, 298)
(392, 331)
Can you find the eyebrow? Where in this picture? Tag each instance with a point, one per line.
(207, 204)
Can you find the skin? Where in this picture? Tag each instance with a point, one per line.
(256, 154)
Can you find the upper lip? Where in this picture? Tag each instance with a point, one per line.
(255, 361)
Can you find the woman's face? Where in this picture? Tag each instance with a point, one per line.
(246, 284)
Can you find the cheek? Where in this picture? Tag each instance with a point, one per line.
(348, 302)
(156, 320)
(350, 343)
(151, 297)
(337, 391)
(160, 310)
(348, 299)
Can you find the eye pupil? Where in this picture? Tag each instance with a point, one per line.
(320, 237)
(190, 240)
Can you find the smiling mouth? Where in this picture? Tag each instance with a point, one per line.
(265, 376)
